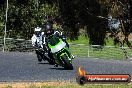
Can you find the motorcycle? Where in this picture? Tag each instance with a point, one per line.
(60, 52)
(43, 54)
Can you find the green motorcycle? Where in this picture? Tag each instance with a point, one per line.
(60, 52)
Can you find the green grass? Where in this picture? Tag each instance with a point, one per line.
(109, 42)
(81, 40)
(105, 53)
(91, 86)
(84, 86)
(85, 40)
(8, 87)
(108, 53)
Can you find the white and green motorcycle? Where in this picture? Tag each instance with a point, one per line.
(60, 52)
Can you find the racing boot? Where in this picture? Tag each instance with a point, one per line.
(56, 65)
(73, 57)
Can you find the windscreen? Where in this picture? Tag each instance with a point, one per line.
(54, 40)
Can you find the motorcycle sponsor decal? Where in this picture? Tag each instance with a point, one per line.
(82, 77)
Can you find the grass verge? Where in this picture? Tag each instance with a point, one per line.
(107, 52)
(115, 53)
(60, 85)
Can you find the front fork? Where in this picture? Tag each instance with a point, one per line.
(58, 56)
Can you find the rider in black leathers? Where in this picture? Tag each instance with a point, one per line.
(49, 30)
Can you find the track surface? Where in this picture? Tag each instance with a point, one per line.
(15, 66)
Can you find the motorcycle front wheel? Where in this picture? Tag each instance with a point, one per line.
(50, 60)
(67, 64)
(39, 57)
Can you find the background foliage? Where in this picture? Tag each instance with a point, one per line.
(72, 15)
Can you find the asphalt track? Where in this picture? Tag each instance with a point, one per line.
(15, 66)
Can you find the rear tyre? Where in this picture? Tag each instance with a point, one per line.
(67, 64)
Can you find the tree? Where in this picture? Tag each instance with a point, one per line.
(77, 13)
(121, 9)
(2, 18)
(24, 16)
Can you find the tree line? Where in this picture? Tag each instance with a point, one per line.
(72, 15)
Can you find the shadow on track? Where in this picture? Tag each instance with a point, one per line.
(43, 63)
(58, 68)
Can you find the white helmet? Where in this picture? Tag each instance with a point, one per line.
(37, 29)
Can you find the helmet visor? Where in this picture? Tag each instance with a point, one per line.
(48, 27)
(37, 33)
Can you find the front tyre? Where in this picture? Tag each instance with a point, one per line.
(50, 60)
(67, 64)
(39, 57)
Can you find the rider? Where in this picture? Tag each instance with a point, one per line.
(37, 38)
(50, 31)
